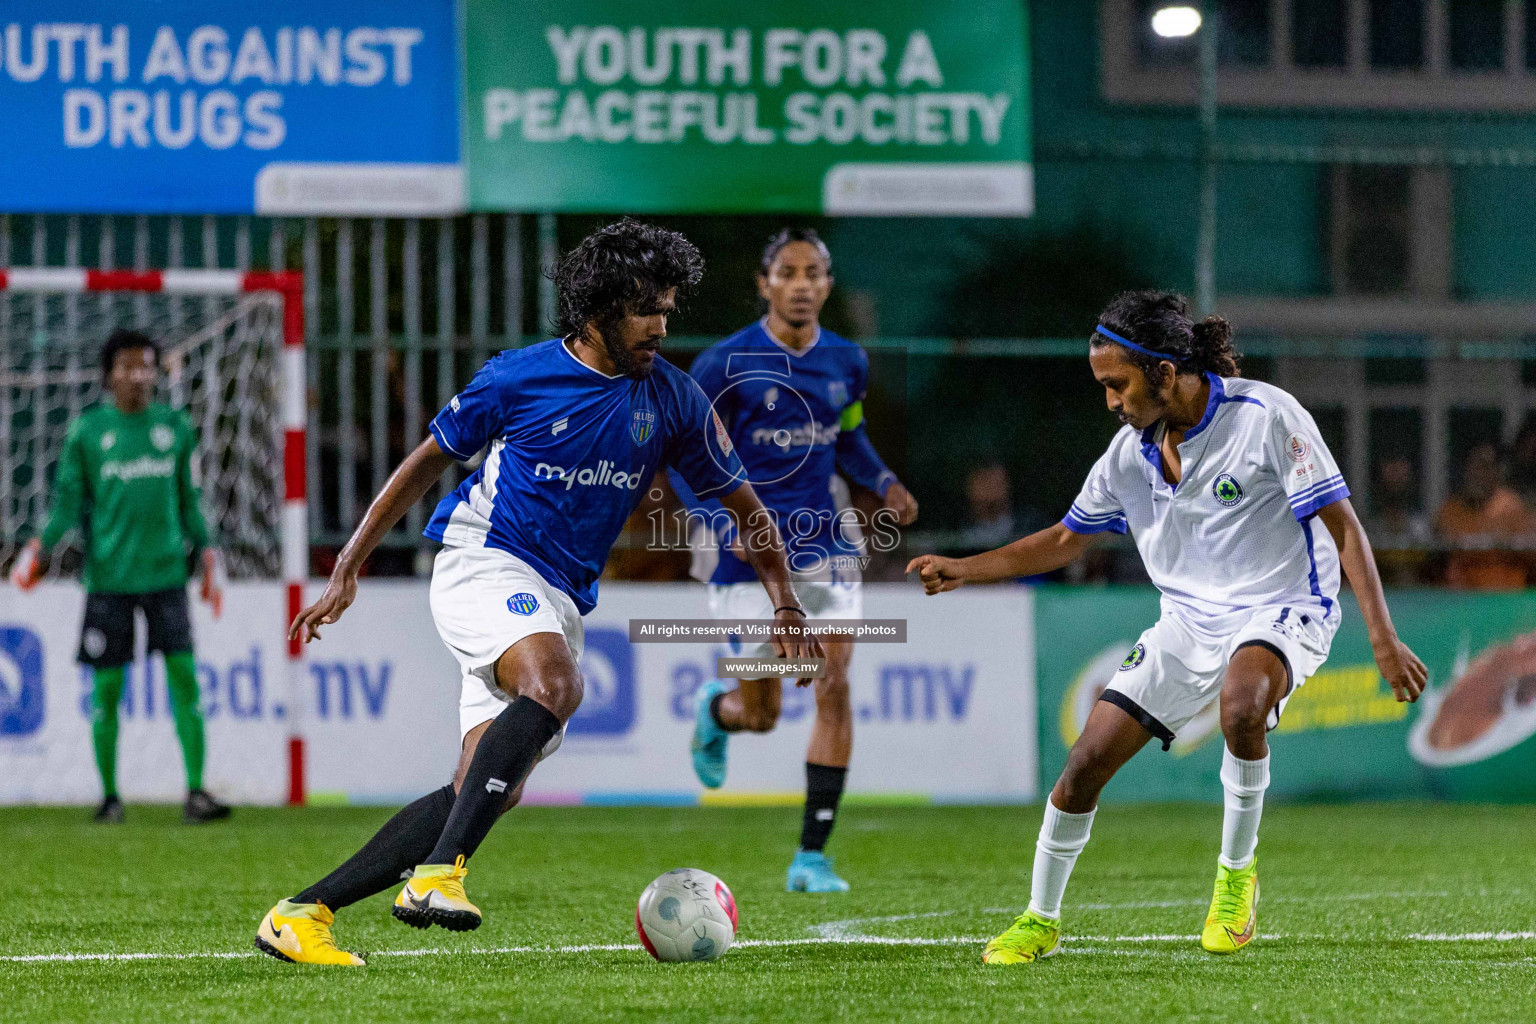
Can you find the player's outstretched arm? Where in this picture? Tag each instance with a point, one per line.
(765, 553)
(405, 487)
(1046, 551)
(1400, 667)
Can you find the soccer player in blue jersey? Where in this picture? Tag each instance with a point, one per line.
(791, 393)
(575, 429)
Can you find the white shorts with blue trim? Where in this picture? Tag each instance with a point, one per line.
(483, 601)
(1175, 671)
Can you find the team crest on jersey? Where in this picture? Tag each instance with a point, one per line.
(722, 436)
(522, 604)
(837, 393)
(1138, 653)
(642, 425)
(1227, 490)
(162, 437)
(1297, 448)
(108, 440)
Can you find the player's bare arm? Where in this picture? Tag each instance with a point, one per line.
(764, 550)
(1046, 551)
(900, 500)
(1400, 667)
(407, 485)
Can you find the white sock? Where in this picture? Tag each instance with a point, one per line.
(1244, 783)
(1062, 838)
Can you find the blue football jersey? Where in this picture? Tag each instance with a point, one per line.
(571, 453)
(795, 417)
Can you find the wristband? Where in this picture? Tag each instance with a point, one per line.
(791, 608)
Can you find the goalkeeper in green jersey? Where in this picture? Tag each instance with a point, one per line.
(126, 479)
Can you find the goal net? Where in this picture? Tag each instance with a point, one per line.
(221, 349)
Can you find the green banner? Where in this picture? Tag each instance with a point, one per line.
(906, 107)
(1343, 735)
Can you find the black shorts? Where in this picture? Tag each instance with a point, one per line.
(106, 636)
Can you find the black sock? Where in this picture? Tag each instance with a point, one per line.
(505, 756)
(403, 842)
(823, 789)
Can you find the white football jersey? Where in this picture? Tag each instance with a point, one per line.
(1237, 531)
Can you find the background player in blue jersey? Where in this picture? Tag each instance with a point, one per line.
(574, 429)
(792, 396)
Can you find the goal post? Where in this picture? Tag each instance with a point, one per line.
(233, 349)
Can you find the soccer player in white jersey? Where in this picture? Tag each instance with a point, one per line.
(1222, 483)
(576, 427)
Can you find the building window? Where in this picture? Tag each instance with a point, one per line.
(1320, 33)
(1412, 55)
(1242, 33)
(1476, 34)
(1372, 227)
(1397, 34)
(1530, 36)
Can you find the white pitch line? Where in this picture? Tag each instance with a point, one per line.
(851, 940)
(1268, 901)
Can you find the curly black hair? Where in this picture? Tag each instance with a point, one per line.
(1160, 321)
(123, 338)
(622, 268)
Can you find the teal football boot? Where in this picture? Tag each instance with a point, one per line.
(811, 871)
(709, 740)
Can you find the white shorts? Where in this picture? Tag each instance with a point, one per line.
(842, 598)
(1175, 671)
(484, 600)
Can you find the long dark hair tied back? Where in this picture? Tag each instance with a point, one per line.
(1160, 321)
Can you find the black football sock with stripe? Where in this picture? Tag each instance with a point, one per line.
(823, 790)
(508, 750)
(395, 850)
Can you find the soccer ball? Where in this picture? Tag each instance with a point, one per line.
(686, 914)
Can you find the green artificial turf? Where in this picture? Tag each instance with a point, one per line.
(1349, 892)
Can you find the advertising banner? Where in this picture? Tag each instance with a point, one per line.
(721, 106)
(950, 715)
(284, 107)
(1472, 736)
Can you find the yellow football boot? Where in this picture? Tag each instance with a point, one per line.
(300, 933)
(1234, 917)
(435, 895)
(1030, 938)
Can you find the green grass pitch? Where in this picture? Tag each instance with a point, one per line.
(1369, 913)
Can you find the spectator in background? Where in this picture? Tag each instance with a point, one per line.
(989, 507)
(1399, 533)
(1522, 462)
(1484, 513)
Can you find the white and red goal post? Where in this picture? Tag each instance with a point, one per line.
(293, 522)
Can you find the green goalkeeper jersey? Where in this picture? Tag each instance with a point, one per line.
(127, 481)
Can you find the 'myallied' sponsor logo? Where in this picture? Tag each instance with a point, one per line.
(602, 475)
(797, 437)
(142, 468)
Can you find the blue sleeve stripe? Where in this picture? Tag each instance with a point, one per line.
(437, 432)
(1320, 501)
(1323, 485)
(1114, 525)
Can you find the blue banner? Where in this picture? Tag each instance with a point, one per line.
(174, 106)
